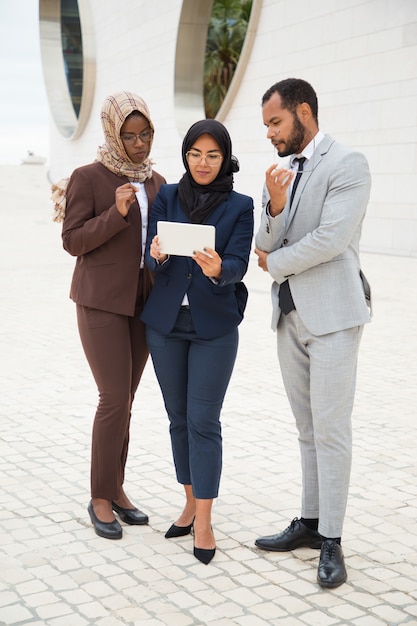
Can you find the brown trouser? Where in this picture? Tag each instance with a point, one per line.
(116, 350)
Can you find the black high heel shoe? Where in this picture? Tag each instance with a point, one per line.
(178, 531)
(203, 555)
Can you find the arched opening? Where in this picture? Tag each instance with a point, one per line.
(225, 38)
(217, 36)
(68, 59)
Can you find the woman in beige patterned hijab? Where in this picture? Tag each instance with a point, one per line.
(115, 153)
(105, 227)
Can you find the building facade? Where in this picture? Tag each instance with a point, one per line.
(359, 55)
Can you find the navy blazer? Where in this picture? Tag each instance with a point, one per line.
(216, 309)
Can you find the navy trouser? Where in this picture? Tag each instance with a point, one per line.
(193, 374)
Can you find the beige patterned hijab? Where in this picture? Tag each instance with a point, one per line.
(112, 154)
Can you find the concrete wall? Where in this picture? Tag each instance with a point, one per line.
(360, 56)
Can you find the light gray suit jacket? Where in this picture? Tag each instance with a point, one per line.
(316, 243)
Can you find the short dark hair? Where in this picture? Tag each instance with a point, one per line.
(294, 91)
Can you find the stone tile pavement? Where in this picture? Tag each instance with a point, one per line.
(56, 572)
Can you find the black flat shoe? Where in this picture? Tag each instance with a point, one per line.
(297, 535)
(178, 531)
(332, 571)
(131, 516)
(108, 530)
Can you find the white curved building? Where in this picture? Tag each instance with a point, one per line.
(359, 55)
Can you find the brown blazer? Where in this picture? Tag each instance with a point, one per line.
(108, 246)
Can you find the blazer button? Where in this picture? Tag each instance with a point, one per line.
(189, 276)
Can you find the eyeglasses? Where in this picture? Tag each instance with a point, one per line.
(212, 158)
(145, 136)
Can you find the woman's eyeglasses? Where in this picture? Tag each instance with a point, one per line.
(145, 136)
(195, 158)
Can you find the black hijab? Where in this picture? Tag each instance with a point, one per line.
(199, 201)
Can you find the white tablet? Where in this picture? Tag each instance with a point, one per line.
(185, 239)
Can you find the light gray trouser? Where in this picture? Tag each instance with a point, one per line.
(319, 374)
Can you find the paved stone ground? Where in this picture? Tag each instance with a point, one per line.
(56, 572)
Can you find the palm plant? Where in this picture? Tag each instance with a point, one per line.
(226, 34)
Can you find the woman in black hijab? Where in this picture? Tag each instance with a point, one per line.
(199, 200)
(192, 316)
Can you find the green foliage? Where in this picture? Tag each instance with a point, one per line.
(227, 31)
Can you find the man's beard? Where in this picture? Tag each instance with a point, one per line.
(295, 141)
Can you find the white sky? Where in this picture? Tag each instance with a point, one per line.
(24, 112)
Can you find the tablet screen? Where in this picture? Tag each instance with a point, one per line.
(185, 239)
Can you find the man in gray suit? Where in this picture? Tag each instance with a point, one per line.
(308, 241)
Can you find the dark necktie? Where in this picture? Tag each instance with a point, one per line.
(286, 303)
(297, 177)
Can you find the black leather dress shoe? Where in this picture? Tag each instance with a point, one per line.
(297, 535)
(108, 530)
(332, 571)
(131, 516)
